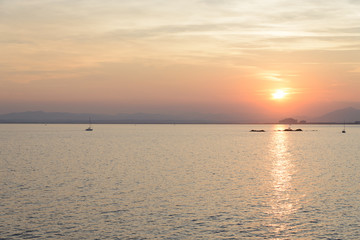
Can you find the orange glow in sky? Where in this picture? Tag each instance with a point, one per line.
(228, 57)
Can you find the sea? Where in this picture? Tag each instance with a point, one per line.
(179, 181)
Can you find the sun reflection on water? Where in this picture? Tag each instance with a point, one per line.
(283, 202)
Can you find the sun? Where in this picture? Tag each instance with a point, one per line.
(279, 94)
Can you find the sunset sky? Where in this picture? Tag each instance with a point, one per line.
(157, 56)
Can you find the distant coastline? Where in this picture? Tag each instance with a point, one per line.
(341, 116)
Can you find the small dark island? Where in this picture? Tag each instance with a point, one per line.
(290, 130)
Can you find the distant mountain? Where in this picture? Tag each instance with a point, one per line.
(43, 117)
(63, 117)
(348, 115)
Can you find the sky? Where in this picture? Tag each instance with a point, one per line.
(157, 56)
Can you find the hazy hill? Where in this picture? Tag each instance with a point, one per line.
(63, 117)
(42, 117)
(348, 115)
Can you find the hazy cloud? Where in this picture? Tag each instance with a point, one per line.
(243, 45)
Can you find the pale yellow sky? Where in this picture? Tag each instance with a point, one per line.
(167, 56)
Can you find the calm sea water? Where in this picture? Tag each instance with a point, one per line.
(179, 182)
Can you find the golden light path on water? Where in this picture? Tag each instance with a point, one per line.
(283, 201)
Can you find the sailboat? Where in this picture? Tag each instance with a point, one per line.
(89, 128)
(343, 131)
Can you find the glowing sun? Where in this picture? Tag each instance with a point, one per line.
(279, 94)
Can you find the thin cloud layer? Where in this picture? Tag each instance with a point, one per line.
(255, 46)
